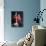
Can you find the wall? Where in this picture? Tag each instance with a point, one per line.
(43, 6)
(29, 7)
(1, 21)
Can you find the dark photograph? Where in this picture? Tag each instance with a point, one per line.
(17, 18)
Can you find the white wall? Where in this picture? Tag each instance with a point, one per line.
(1, 21)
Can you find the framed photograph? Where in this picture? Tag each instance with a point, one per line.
(17, 18)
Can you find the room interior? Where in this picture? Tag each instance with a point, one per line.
(19, 36)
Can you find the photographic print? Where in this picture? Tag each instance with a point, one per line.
(17, 18)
